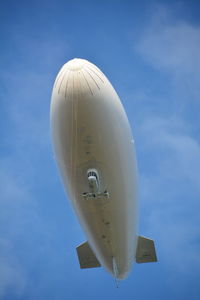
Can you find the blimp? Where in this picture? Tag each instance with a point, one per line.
(95, 153)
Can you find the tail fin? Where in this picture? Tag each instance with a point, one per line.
(86, 256)
(145, 250)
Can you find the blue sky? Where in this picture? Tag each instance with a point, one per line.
(150, 51)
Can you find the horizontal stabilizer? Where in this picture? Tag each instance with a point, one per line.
(86, 256)
(145, 250)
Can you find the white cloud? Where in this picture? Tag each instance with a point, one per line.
(168, 142)
(27, 83)
(14, 218)
(170, 189)
(12, 276)
(173, 46)
(179, 151)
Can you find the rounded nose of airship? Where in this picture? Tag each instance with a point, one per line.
(75, 64)
(79, 78)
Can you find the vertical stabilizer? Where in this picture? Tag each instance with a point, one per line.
(86, 256)
(145, 250)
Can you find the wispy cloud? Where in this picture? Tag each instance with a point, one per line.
(170, 189)
(169, 146)
(14, 201)
(12, 276)
(27, 83)
(173, 46)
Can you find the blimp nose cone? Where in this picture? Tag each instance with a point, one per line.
(78, 77)
(75, 64)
